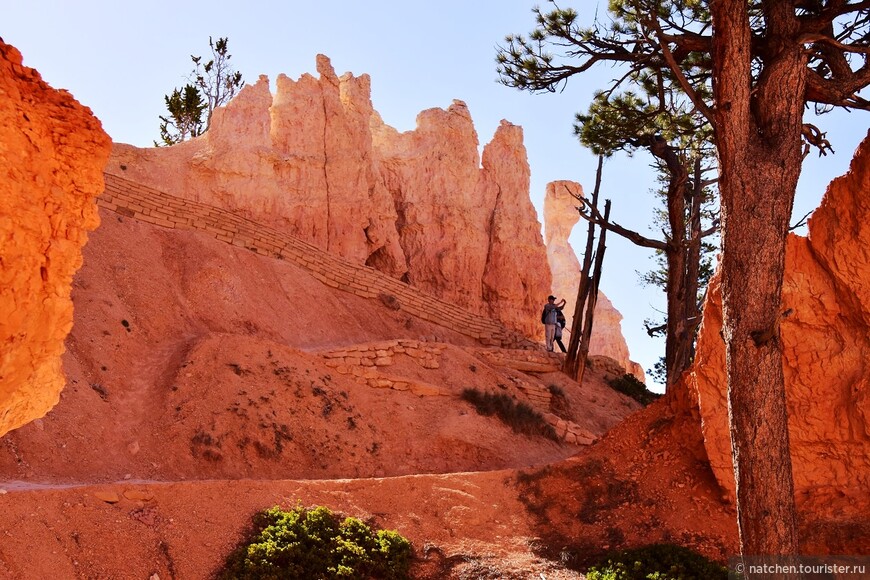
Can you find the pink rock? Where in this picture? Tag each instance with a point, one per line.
(316, 161)
(516, 276)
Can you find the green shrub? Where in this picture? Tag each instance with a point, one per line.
(518, 416)
(629, 385)
(656, 562)
(313, 544)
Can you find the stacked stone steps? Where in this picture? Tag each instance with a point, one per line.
(367, 363)
(527, 361)
(153, 206)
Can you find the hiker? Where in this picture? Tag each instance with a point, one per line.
(548, 318)
(560, 326)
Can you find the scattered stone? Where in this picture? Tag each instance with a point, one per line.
(107, 496)
(138, 495)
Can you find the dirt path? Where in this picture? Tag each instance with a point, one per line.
(150, 378)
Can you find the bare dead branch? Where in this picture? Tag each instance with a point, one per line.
(654, 331)
(591, 214)
(802, 222)
(712, 229)
(814, 137)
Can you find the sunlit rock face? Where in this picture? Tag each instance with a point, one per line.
(52, 154)
(468, 232)
(560, 217)
(315, 160)
(826, 346)
(516, 276)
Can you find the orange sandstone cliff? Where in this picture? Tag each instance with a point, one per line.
(52, 155)
(826, 303)
(316, 161)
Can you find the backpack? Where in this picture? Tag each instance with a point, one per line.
(544, 316)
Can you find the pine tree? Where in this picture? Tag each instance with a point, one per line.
(750, 68)
(184, 121)
(212, 84)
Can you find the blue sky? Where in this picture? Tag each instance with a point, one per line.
(121, 58)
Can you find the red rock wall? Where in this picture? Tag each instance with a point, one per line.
(52, 155)
(316, 161)
(826, 349)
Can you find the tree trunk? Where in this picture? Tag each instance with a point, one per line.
(758, 136)
(693, 258)
(571, 366)
(572, 360)
(592, 299)
(679, 338)
(690, 262)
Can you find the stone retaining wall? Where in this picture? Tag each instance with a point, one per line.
(367, 361)
(149, 205)
(528, 361)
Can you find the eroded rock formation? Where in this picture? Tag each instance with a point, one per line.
(826, 302)
(316, 161)
(560, 217)
(52, 154)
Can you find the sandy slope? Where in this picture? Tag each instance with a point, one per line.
(192, 359)
(629, 489)
(196, 396)
(195, 388)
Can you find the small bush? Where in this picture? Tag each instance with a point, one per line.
(629, 385)
(656, 562)
(312, 543)
(518, 416)
(390, 301)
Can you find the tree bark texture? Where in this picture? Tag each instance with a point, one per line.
(677, 349)
(592, 299)
(571, 367)
(758, 136)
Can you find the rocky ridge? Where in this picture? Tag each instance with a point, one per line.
(316, 161)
